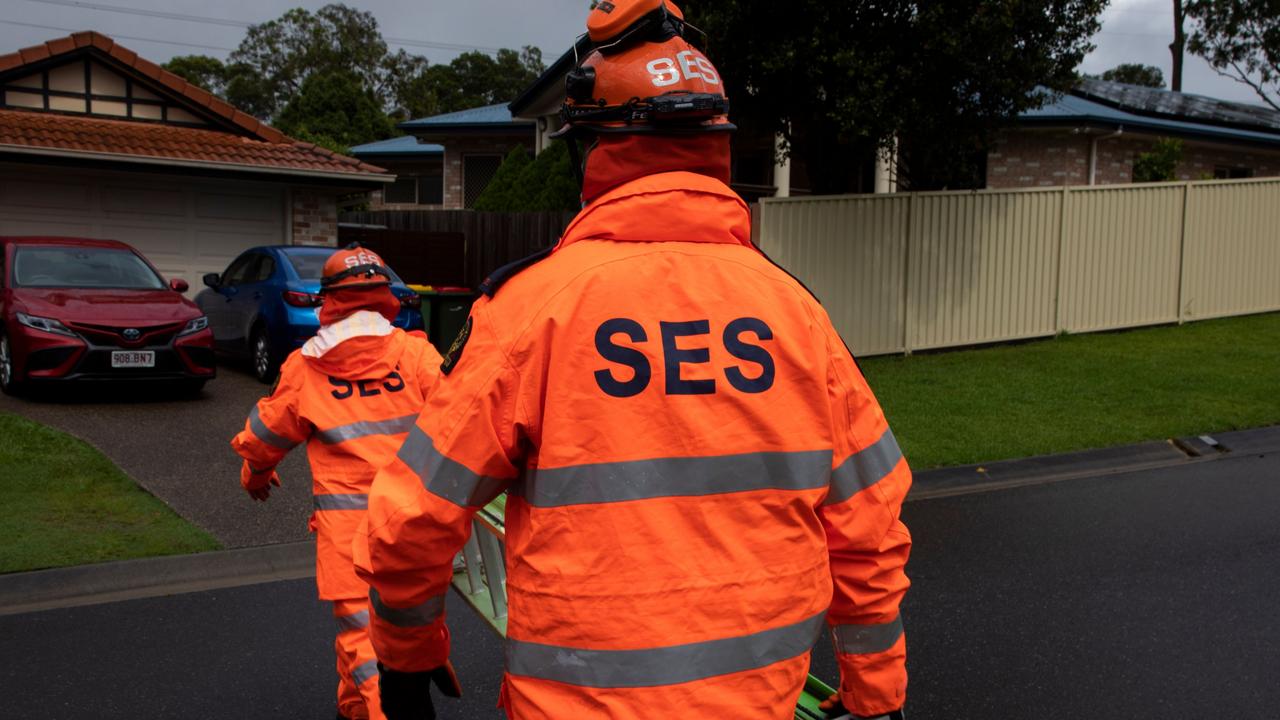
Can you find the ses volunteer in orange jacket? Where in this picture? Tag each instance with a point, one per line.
(700, 480)
(351, 394)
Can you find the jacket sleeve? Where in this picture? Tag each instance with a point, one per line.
(428, 363)
(461, 454)
(868, 543)
(274, 426)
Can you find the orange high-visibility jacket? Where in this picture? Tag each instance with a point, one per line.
(700, 479)
(353, 406)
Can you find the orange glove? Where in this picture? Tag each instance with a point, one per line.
(258, 483)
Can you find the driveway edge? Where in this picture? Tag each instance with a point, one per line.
(967, 479)
(151, 577)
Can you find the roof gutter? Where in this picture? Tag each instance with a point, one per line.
(214, 164)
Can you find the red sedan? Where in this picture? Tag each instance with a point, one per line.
(78, 309)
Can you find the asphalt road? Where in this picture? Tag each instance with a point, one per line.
(1143, 595)
(179, 449)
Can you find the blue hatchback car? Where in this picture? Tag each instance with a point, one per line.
(266, 304)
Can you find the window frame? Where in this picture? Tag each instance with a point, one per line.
(386, 193)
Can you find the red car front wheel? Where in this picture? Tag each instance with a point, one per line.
(8, 381)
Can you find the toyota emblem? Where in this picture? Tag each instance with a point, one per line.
(132, 334)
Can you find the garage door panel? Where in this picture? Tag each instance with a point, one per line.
(52, 227)
(167, 246)
(249, 208)
(144, 201)
(31, 193)
(186, 228)
(218, 249)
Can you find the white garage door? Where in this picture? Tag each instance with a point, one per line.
(185, 227)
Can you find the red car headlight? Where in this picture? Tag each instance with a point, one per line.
(48, 325)
(195, 325)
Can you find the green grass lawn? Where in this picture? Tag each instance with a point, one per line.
(1081, 391)
(67, 504)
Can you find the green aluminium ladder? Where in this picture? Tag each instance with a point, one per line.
(482, 583)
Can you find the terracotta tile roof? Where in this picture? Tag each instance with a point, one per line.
(264, 145)
(129, 139)
(129, 58)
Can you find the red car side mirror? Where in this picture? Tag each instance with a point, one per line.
(179, 285)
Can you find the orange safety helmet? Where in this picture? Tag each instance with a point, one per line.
(354, 267)
(641, 75)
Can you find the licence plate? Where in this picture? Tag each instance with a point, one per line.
(133, 358)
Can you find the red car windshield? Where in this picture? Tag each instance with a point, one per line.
(82, 267)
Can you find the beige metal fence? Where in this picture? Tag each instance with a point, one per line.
(930, 270)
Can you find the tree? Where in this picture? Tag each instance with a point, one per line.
(500, 194)
(1178, 47)
(1160, 164)
(473, 79)
(207, 72)
(543, 183)
(1135, 74)
(334, 110)
(1241, 40)
(278, 56)
(939, 77)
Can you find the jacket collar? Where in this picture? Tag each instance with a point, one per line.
(667, 207)
(364, 323)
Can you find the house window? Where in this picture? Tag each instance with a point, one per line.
(90, 88)
(403, 190)
(477, 173)
(1232, 173)
(431, 190)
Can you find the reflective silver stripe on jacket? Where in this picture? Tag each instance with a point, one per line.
(669, 665)
(446, 478)
(864, 468)
(424, 614)
(355, 430)
(364, 672)
(356, 621)
(263, 433)
(352, 501)
(676, 477)
(864, 639)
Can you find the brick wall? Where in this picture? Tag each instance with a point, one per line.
(1200, 160)
(455, 150)
(315, 217)
(1038, 159)
(1055, 158)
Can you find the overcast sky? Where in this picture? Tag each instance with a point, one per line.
(1133, 30)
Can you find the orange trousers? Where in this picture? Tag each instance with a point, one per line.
(358, 697)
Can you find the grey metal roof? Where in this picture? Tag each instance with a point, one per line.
(404, 145)
(487, 115)
(1179, 106)
(1079, 110)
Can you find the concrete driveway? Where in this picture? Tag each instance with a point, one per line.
(179, 450)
